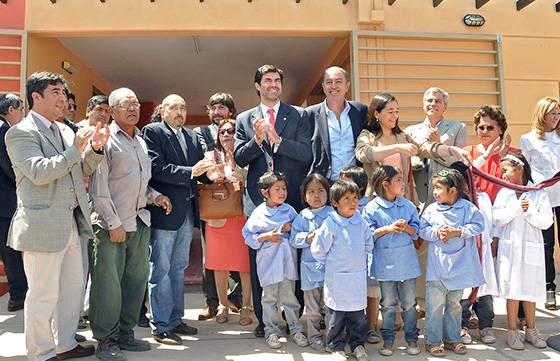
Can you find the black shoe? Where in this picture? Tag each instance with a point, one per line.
(79, 338)
(107, 350)
(550, 300)
(134, 345)
(143, 321)
(184, 329)
(167, 338)
(259, 331)
(15, 305)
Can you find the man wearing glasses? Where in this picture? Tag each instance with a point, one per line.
(119, 266)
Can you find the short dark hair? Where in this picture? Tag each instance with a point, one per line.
(268, 179)
(384, 173)
(378, 103)
(265, 69)
(340, 188)
(452, 178)
(358, 176)
(224, 99)
(71, 96)
(512, 160)
(9, 100)
(493, 113)
(96, 100)
(313, 177)
(39, 81)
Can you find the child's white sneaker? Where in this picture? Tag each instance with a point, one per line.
(317, 345)
(487, 335)
(534, 338)
(339, 356)
(300, 339)
(273, 342)
(465, 336)
(412, 348)
(360, 353)
(386, 349)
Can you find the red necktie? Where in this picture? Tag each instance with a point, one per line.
(272, 121)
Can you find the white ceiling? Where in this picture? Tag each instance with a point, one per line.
(155, 66)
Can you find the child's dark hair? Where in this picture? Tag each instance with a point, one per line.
(313, 177)
(341, 187)
(516, 159)
(463, 169)
(452, 178)
(268, 179)
(384, 173)
(358, 176)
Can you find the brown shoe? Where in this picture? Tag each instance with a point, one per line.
(53, 359)
(15, 305)
(78, 351)
(207, 313)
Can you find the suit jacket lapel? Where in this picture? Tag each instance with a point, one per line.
(67, 136)
(281, 118)
(172, 137)
(256, 114)
(355, 121)
(47, 133)
(323, 126)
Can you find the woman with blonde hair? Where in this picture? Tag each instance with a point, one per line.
(541, 147)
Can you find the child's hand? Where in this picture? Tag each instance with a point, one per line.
(524, 203)
(310, 237)
(272, 236)
(443, 233)
(398, 226)
(287, 227)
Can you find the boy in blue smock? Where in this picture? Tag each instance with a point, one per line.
(342, 244)
(394, 222)
(357, 175)
(268, 231)
(450, 226)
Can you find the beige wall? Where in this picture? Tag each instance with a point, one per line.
(48, 54)
(531, 37)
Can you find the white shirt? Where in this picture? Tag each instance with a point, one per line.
(266, 115)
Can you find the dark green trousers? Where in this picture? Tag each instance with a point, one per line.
(119, 274)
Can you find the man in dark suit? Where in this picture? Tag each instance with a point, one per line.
(336, 124)
(177, 161)
(11, 112)
(271, 136)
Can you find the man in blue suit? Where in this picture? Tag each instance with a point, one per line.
(336, 124)
(11, 112)
(271, 136)
(177, 161)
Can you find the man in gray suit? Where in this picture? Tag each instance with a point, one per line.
(436, 129)
(52, 216)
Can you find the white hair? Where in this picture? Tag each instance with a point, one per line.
(436, 90)
(117, 94)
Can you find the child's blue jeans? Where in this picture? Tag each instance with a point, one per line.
(391, 293)
(443, 313)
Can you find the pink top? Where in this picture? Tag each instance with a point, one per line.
(394, 159)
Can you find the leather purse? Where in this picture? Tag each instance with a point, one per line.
(220, 200)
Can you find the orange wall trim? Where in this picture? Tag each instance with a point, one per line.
(12, 14)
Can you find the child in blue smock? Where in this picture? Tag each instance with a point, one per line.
(342, 244)
(315, 193)
(268, 230)
(394, 222)
(450, 226)
(358, 175)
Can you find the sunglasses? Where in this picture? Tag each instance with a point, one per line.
(484, 128)
(230, 131)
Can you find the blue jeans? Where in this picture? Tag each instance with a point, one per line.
(484, 310)
(280, 294)
(168, 259)
(353, 322)
(443, 313)
(391, 293)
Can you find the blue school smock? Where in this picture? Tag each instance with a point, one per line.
(275, 261)
(455, 263)
(342, 244)
(312, 272)
(394, 255)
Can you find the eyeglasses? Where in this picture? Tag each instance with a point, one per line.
(230, 131)
(485, 128)
(72, 107)
(128, 105)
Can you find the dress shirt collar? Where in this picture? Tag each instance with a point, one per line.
(44, 120)
(429, 124)
(173, 129)
(270, 211)
(264, 109)
(307, 213)
(552, 136)
(461, 203)
(114, 128)
(346, 109)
